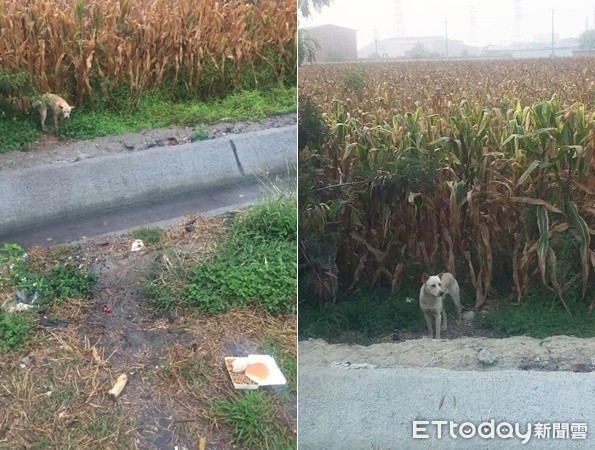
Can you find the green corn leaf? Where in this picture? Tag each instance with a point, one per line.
(584, 239)
(543, 243)
(348, 149)
(554, 265)
(534, 165)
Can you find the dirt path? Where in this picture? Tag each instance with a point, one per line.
(133, 338)
(50, 149)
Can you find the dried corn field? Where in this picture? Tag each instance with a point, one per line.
(482, 168)
(87, 49)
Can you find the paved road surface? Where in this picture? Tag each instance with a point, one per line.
(373, 408)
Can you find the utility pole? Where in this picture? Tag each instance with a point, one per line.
(446, 34)
(376, 40)
(553, 32)
(517, 24)
(472, 25)
(399, 30)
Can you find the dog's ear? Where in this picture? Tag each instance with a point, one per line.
(424, 277)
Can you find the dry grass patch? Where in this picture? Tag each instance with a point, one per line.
(195, 377)
(56, 397)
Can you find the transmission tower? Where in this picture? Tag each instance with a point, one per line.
(399, 30)
(472, 25)
(517, 24)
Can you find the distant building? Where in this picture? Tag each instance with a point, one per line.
(589, 53)
(546, 38)
(418, 47)
(336, 43)
(423, 47)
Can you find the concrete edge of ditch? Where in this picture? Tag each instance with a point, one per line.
(55, 192)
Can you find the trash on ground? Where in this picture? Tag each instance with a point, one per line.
(350, 365)
(119, 386)
(22, 301)
(137, 245)
(258, 370)
(25, 362)
(106, 309)
(239, 365)
(44, 322)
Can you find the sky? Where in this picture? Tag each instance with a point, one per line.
(475, 22)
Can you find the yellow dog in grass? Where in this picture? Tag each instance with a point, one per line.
(57, 105)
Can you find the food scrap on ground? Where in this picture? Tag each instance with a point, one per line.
(258, 370)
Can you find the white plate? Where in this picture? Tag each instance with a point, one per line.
(275, 376)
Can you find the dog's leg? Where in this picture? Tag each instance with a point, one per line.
(456, 299)
(438, 327)
(428, 318)
(55, 120)
(42, 115)
(444, 320)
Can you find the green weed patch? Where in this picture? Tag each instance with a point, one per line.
(538, 321)
(149, 235)
(255, 264)
(153, 111)
(59, 282)
(253, 418)
(360, 318)
(16, 331)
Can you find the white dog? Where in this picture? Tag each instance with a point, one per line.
(431, 300)
(57, 105)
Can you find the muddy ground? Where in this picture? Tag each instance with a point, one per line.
(50, 149)
(134, 337)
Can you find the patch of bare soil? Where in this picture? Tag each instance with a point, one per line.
(460, 353)
(50, 149)
(174, 363)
